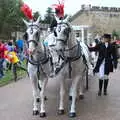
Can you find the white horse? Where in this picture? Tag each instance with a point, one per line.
(68, 61)
(38, 61)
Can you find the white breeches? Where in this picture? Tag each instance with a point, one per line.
(101, 72)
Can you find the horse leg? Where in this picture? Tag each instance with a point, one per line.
(81, 89)
(62, 93)
(74, 96)
(42, 96)
(34, 80)
(35, 95)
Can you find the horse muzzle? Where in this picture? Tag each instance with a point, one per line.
(30, 51)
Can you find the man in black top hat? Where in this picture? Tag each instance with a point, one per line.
(107, 61)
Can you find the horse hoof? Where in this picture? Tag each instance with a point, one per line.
(45, 98)
(43, 114)
(73, 114)
(38, 99)
(61, 112)
(70, 97)
(35, 112)
(81, 97)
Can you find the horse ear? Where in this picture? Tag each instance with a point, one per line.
(38, 20)
(66, 19)
(57, 19)
(26, 23)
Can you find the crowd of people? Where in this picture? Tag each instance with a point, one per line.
(11, 54)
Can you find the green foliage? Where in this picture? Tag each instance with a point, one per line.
(115, 34)
(48, 16)
(7, 79)
(9, 76)
(36, 15)
(10, 16)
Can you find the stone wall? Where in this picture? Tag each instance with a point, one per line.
(100, 8)
(101, 19)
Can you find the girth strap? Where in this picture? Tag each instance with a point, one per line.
(70, 69)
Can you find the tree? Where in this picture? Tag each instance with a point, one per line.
(48, 16)
(10, 17)
(36, 15)
(115, 34)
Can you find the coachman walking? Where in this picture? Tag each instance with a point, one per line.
(106, 63)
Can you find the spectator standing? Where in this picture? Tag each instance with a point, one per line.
(2, 50)
(10, 47)
(19, 46)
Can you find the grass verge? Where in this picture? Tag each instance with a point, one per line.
(9, 77)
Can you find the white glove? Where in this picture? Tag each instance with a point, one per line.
(115, 70)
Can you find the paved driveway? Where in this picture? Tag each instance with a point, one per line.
(16, 101)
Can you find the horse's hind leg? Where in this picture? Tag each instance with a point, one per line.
(81, 87)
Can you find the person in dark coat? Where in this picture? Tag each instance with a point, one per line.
(107, 61)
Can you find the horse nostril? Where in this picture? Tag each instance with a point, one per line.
(29, 52)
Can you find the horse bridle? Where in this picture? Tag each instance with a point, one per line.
(31, 32)
(36, 42)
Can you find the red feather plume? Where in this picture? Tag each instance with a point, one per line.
(59, 8)
(27, 11)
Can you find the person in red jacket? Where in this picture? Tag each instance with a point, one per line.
(2, 50)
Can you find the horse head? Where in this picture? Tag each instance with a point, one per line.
(61, 33)
(32, 34)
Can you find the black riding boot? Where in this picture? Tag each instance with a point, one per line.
(100, 87)
(105, 86)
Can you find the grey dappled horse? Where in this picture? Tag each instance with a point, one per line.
(68, 61)
(38, 61)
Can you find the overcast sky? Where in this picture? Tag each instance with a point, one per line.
(71, 6)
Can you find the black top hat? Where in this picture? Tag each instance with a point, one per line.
(108, 36)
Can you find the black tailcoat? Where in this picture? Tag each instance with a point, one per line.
(108, 54)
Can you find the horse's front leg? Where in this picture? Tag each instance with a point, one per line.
(32, 70)
(62, 93)
(81, 89)
(42, 97)
(73, 94)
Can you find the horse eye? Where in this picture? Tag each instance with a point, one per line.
(25, 36)
(37, 35)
